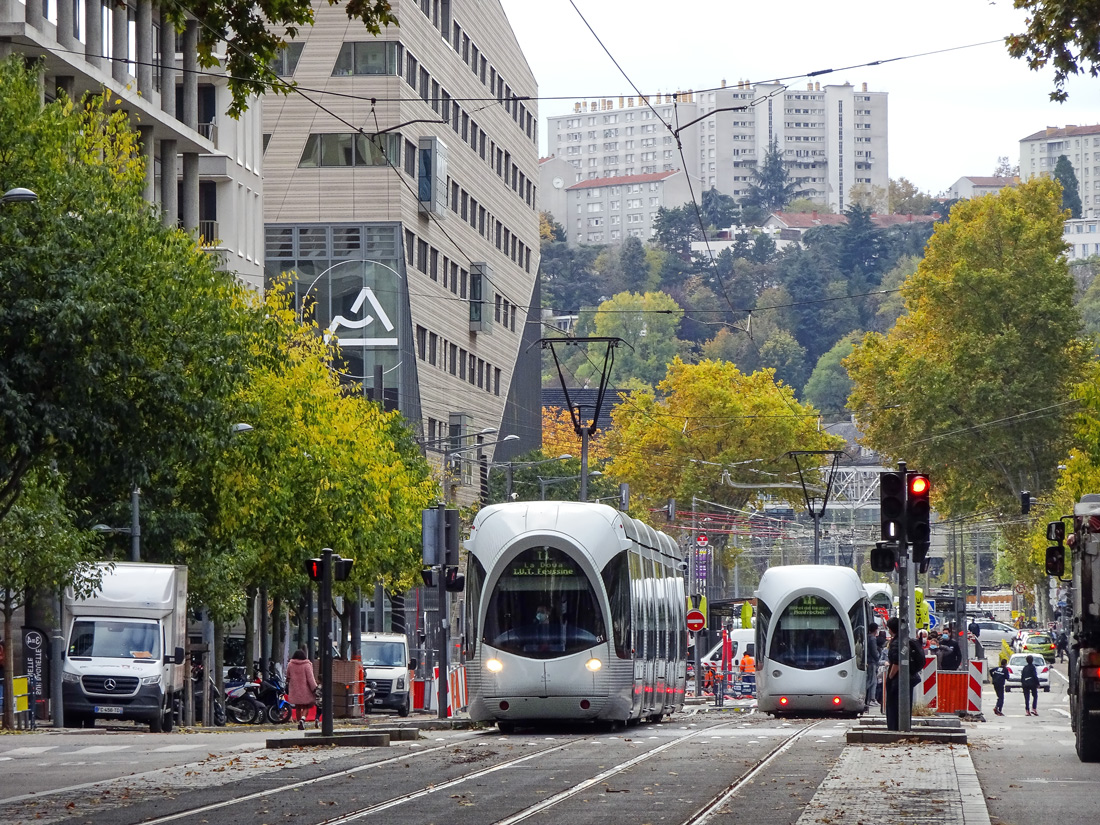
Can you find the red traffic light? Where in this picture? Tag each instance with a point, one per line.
(919, 485)
(314, 569)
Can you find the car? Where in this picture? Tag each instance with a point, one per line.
(1041, 643)
(993, 633)
(1016, 666)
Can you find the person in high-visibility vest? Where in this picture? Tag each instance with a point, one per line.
(748, 675)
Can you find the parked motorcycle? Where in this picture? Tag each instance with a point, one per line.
(242, 704)
(370, 689)
(272, 693)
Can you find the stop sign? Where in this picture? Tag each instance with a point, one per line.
(696, 620)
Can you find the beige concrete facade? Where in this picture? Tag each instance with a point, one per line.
(1039, 154)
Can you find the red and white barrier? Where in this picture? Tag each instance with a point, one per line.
(953, 691)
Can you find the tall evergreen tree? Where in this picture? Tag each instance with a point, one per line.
(771, 188)
(1071, 194)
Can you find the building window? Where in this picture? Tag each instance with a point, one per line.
(349, 149)
(370, 57)
(288, 58)
(421, 342)
(496, 381)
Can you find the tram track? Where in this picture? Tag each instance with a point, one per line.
(699, 817)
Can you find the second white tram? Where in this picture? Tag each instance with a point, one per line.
(811, 640)
(574, 612)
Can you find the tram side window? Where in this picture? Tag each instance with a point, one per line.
(543, 606)
(858, 618)
(763, 621)
(810, 634)
(475, 578)
(616, 579)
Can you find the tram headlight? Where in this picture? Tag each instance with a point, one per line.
(593, 664)
(494, 665)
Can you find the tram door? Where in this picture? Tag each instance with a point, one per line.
(638, 629)
(660, 664)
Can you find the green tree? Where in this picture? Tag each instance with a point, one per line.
(634, 266)
(829, 384)
(648, 324)
(322, 468)
(120, 342)
(904, 198)
(41, 550)
(719, 210)
(708, 427)
(808, 205)
(974, 382)
(1065, 33)
(1071, 194)
(771, 187)
(785, 357)
(245, 36)
(674, 229)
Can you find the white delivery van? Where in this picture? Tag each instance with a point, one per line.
(386, 662)
(125, 653)
(742, 641)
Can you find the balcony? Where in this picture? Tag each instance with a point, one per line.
(208, 234)
(209, 131)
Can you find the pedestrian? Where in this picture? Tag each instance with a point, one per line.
(974, 628)
(301, 687)
(890, 693)
(951, 657)
(999, 675)
(1063, 645)
(872, 662)
(1029, 683)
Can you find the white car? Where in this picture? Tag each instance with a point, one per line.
(993, 633)
(1016, 666)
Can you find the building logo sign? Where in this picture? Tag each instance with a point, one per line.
(366, 322)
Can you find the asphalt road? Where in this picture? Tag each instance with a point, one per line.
(1027, 765)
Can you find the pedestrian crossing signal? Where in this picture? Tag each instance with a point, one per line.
(314, 569)
(884, 557)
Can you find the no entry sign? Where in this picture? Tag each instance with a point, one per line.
(696, 620)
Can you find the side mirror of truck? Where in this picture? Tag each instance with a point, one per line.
(179, 656)
(412, 664)
(1056, 561)
(1056, 531)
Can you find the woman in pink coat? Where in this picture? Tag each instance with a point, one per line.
(301, 686)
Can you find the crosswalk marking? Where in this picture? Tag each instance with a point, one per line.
(29, 751)
(99, 749)
(178, 748)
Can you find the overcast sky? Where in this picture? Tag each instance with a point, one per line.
(950, 114)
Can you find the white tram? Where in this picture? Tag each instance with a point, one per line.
(574, 612)
(811, 640)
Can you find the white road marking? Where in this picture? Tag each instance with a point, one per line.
(177, 748)
(92, 749)
(29, 751)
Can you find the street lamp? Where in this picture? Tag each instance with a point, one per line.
(18, 195)
(134, 530)
(449, 456)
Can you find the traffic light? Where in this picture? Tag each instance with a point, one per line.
(451, 528)
(341, 568)
(1056, 561)
(892, 506)
(1025, 502)
(428, 575)
(452, 582)
(315, 569)
(884, 557)
(918, 515)
(670, 510)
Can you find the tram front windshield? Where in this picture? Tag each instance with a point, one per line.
(809, 635)
(543, 606)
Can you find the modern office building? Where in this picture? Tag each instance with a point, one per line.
(1039, 153)
(203, 169)
(833, 138)
(400, 192)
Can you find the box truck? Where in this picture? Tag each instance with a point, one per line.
(124, 657)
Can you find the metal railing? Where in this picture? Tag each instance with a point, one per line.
(208, 232)
(209, 131)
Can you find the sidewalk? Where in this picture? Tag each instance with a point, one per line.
(903, 783)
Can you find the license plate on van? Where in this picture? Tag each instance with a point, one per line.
(108, 710)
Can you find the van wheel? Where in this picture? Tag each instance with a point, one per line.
(506, 727)
(403, 710)
(156, 724)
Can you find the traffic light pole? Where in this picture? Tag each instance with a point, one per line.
(326, 642)
(905, 599)
(444, 604)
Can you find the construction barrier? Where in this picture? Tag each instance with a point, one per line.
(953, 691)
